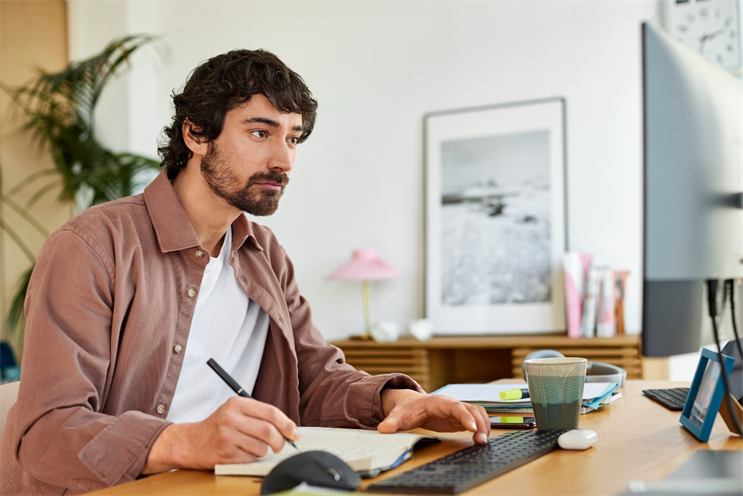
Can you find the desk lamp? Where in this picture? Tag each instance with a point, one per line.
(365, 266)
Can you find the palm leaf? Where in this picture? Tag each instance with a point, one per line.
(15, 315)
(30, 179)
(58, 112)
(25, 215)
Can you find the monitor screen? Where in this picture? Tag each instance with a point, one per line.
(693, 171)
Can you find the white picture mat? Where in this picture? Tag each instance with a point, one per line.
(501, 318)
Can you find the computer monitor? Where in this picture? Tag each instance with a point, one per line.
(693, 217)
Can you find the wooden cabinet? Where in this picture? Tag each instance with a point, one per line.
(445, 360)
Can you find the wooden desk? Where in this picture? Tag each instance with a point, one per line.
(638, 440)
(450, 360)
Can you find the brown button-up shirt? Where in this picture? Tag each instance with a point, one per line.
(109, 309)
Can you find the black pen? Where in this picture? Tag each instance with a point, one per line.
(236, 387)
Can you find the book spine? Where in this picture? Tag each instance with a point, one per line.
(606, 325)
(574, 278)
(620, 285)
(590, 302)
(508, 411)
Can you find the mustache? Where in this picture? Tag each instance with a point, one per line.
(272, 176)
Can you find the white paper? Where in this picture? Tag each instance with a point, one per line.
(363, 450)
(490, 393)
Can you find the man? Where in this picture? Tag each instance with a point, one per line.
(131, 298)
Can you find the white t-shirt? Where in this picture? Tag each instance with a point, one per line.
(227, 326)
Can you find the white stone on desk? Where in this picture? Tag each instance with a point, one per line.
(385, 332)
(420, 329)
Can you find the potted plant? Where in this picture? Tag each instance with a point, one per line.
(58, 109)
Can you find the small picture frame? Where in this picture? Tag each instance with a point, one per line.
(705, 394)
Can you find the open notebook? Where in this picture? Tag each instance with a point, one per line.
(368, 452)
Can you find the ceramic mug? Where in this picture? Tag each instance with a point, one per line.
(556, 391)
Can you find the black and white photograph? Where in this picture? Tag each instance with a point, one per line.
(495, 203)
(495, 219)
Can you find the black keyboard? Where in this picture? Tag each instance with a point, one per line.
(673, 399)
(474, 465)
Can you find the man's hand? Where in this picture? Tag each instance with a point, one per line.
(240, 431)
(405, 409)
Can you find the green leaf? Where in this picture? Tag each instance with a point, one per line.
(58, 113)
(16, 319)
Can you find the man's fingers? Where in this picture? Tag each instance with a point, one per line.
(251, 444)
(438, 413)
(259, 434)
(269, 413)
(462, 413)
(258, 425)
(483, 424)
(480, 422)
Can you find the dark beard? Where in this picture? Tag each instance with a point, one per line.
(220, 179)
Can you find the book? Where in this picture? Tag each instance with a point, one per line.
(591, 301)
(606, 325)
(575, 267)
(620, 284)
(368, 452)
(526, 412)
(490, 393)
(595, 394)
(499, 410)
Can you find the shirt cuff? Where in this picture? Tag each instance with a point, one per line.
(119, 452)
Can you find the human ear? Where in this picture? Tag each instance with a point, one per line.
(198, 145)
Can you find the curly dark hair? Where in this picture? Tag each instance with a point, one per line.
(222, 83)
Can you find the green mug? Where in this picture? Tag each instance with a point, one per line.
(556, 391)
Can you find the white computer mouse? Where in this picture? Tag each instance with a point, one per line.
(577, 439)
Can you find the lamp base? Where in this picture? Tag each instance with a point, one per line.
(361, 337)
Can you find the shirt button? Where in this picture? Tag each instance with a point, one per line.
(199, 254)
(160, 409)
(178, 348)
(192, 292)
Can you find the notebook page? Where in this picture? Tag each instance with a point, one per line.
(362, 450)
(325, 437)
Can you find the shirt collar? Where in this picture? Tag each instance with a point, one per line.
(172, 227)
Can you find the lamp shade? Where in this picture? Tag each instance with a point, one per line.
(365, 266)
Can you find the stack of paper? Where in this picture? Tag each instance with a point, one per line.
(595, 394)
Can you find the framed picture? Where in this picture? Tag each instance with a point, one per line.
(705, 394)
(495, 218)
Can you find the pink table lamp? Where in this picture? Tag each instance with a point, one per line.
(365, 266)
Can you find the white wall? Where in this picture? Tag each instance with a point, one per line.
(376, 68)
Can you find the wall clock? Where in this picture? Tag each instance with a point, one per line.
(711, 27)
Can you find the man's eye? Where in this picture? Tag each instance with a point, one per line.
(293, 140)
(259, 133)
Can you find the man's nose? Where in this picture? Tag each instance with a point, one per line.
(282, 158)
